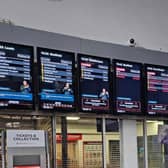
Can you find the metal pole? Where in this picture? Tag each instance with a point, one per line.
(3, 148)
(121, 143)
(145, 144)
(47, 149)
(64, 142)
(54, 139)
(104, 142)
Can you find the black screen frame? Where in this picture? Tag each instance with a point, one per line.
(31, 48)
(57, 109)
(146, 90)
(79, 55)
(142, 113)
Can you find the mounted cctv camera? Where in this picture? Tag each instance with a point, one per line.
(132, 42)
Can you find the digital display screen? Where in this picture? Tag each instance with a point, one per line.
(16, 62)
(94, 83)
(128, 86)
(56, 79)
(157, 89)
(26, 166)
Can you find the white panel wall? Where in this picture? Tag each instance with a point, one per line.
(103, 20)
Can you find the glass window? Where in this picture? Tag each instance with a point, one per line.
(84, 143)
(156, 148)
(140, 144)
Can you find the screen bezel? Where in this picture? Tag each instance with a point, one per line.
(57, 109)
(114, 61)
(146, 90)
(79, 55)
(31, 48)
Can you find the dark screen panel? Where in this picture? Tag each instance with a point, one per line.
(56, 79)
(94, 83)
(128, 87)
(16, 88)
(157, 89)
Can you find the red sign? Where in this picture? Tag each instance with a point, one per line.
(27, 167)
(70, 137)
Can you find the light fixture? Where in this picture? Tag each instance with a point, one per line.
(12, 124)
(73, 118)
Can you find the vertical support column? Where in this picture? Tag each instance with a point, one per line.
(47, 149)
(104, 142)
(145, 144)
(128, 144)
(3, 148)
(64, 142)
(54, 139)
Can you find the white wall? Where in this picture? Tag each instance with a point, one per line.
(103, 20)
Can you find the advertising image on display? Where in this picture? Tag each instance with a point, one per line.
(157, 89)
(94, 83)
(128, 87)
(56, 79)
(16, 86)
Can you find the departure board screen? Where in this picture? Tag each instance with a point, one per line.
(157, 89)
(16, 90)
(94, 83)
(127, 76)
(56, 79)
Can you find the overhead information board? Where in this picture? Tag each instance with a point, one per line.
(157, 89)
(94, 83)
(16, 88)
(56, 69)
(128, 87)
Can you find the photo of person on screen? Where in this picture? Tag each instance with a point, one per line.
(104, 95)
(67, 90)
(25, 87)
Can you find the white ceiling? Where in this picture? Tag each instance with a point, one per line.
(104, 20)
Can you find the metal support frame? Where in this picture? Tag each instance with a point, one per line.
(64, 142)
(104, 142)
(47, 149)
(54, 140)
(121, 142)
(3, 148)
(145, 144)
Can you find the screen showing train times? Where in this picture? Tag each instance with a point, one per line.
(157, 89)
(56, 79)
(16, 76)
(94, 83)
(128, 86)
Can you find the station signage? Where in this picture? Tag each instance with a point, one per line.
(25, 138)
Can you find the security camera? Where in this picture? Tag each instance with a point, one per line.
(132, 42)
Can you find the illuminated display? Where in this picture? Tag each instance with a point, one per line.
(157, 89)
(94, 83)
(26, 166)
(16, 76)
(127, 87)
(56, 79)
